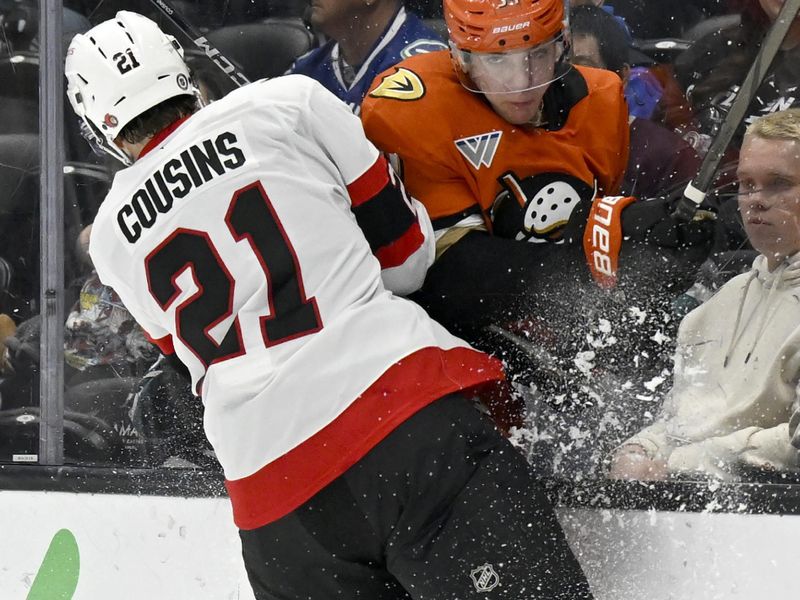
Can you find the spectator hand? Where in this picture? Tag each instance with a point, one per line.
(632, 463)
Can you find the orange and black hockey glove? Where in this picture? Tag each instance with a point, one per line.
(640, 237)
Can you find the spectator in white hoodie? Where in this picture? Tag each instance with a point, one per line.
(738, 359)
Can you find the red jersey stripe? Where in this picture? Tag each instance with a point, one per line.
(397, 252)
(162, 135)
(164, 344)
(407, 386)
(370, 183)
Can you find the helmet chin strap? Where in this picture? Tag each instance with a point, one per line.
(117, 152)
(123, 156)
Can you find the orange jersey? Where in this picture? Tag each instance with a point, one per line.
(458, 155)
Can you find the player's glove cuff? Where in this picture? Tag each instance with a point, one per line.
(602, 238)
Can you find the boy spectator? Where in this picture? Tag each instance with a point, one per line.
(738, 359)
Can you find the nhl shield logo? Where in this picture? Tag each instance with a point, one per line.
(485, 578)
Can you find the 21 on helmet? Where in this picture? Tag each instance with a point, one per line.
(507, 46)
(120, 69)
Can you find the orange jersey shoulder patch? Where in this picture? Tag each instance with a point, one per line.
(403, 84)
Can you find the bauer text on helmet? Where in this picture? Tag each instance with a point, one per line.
(501, 25)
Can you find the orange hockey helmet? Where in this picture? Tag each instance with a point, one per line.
(502, 25)
(507, 46)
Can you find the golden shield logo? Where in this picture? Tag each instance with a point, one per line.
(401, 85)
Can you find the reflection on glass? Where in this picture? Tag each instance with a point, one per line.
(19, 232)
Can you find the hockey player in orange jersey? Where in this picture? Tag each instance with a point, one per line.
(517, 155)
(500, 133)
(513, 108)
(506, 142)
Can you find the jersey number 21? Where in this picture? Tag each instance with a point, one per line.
(250, 217)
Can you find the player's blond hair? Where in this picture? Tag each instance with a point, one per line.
(781, 125)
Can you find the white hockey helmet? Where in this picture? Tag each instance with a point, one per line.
(120, 69)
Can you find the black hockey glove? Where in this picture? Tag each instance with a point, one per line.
(650, 221)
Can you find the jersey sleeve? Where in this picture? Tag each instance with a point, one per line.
(427, 173)
(396, 226)
(339, 132)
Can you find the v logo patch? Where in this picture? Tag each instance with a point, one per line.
(479, 150)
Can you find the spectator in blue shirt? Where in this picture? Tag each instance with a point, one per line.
(364, 39)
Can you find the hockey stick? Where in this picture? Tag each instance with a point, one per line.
(696, 190)
(202, 43)
(539, 355)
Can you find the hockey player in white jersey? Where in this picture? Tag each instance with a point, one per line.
(260, 239)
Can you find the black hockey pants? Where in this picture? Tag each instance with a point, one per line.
(443, 508)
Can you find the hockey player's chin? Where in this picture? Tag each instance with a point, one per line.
(517, 112)
(522, 114)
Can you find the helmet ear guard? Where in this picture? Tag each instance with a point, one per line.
(99, 144)
(92, 134)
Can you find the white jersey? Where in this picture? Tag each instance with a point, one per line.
(251, 238)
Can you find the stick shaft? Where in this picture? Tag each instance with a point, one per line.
(747, 92)
(697, 189)
(202, 43)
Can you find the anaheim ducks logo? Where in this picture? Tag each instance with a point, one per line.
(538, 207)
(401, 85)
